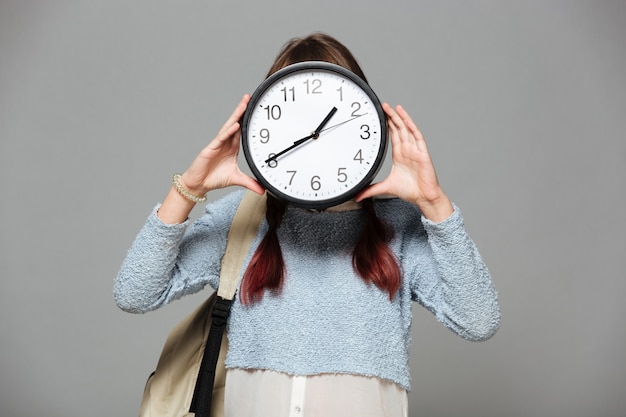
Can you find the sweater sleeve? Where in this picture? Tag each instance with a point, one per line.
(454, 283)
(166, 262)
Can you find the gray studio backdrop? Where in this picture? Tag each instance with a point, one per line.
(522, 103)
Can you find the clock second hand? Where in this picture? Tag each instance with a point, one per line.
(344, 122)
(314, 135)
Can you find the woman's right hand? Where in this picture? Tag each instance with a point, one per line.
(215, 167)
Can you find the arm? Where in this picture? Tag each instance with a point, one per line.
(164, 263)
(215, 167)
(147, 273)
(457, 287)
(443, 271)
(451, 280)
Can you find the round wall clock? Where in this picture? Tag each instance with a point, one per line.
(314, 134)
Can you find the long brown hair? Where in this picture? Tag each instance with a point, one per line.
(372, 259)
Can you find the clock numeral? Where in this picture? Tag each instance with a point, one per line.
(365, 132)
(341, 175)
(340, 89)
(265, 135)
(273, 112)
(315, 183)
(291, 90)
(272, 163)
(313, 87)
(356, 106)
(293, 174)
(358, 157)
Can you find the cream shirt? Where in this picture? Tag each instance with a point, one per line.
(264, 393)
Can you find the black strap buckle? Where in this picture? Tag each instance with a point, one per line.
(221, 310)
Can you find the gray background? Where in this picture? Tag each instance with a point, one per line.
(523, 105)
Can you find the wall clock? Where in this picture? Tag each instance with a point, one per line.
(314, 134)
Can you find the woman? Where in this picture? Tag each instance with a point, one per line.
(325, 329)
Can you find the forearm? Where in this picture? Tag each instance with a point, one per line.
(469, 304)
(145, 275)
(175, 208)
(181, 199)
(168, 261)
(437, 209)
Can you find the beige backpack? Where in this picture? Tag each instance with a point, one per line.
(187, 381)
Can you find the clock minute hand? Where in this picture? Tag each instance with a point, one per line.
(330, 114)
(284, 151)
(314, 135)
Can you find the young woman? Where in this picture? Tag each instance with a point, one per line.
(325, 329)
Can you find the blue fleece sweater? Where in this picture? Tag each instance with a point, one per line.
(327, 319)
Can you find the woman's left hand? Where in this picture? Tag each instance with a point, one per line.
(412, 176)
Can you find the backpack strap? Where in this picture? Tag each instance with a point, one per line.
(242, 231)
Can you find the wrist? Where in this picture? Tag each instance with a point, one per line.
(175, 209)
(436, 210)
(189, 193)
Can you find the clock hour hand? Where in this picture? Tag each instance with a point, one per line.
(314, 135)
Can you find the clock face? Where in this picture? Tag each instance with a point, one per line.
(314, 134)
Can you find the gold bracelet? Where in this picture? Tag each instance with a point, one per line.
(182, 191)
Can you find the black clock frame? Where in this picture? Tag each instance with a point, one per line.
(303, 67)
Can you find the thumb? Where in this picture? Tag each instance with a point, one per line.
(249, 183)
(372, 191)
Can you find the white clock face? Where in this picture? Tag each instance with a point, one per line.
(297, 160)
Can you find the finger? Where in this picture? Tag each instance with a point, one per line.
(225, 135)
(237, 113)
(392, 125)
(396, 122)
(240, 109)
(399, 135)
(392, 116)
(232, 130)
(409, 123)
